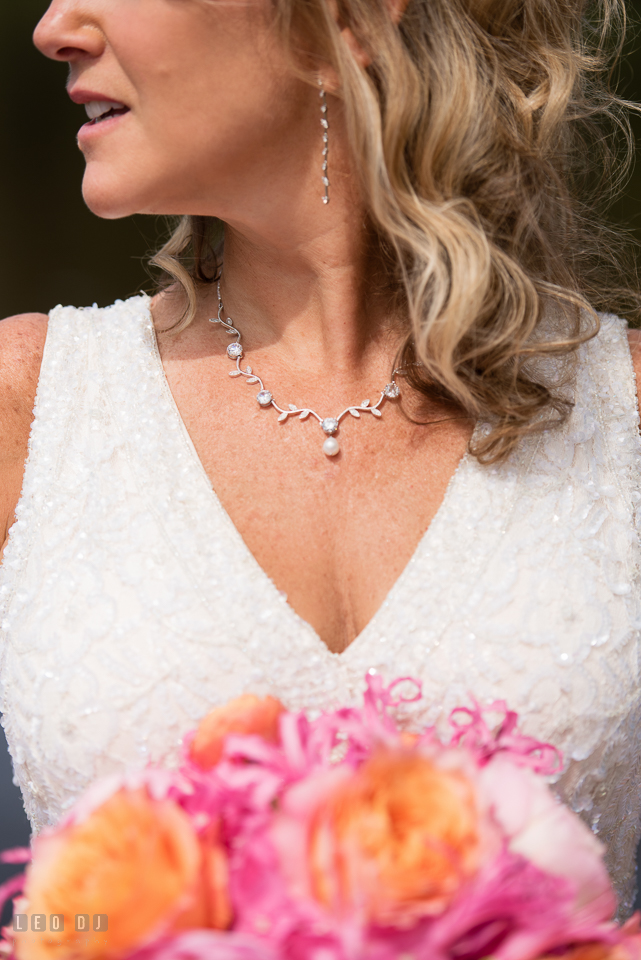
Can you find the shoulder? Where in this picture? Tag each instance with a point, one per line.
(22, 338)
(22, 341)
(634, 339)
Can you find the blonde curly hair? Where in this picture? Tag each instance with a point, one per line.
(487, 136)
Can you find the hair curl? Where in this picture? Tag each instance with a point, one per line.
(487, 136)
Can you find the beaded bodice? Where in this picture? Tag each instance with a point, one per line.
(130, 605)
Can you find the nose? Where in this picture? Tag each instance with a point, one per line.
(68, 32)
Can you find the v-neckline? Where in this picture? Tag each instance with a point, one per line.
(236, 538)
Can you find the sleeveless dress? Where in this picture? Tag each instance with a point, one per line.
(130, 605)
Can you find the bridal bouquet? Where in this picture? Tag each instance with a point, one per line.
(338, 838)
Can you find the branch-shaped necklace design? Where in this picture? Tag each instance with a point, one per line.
(329, 425)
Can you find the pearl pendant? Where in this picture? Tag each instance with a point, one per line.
(331, 447)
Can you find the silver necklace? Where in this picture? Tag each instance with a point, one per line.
(329, 425)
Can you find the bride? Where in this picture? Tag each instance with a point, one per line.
(370, 422)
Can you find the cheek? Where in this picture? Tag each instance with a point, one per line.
(206, 107)
(205, 64)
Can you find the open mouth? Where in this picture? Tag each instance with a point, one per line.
(99, 110)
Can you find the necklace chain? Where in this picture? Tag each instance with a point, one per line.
(329, 425)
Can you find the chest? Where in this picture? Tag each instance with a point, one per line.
(332, 533)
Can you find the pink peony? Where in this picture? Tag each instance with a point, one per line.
(540, 828)
(207, 945)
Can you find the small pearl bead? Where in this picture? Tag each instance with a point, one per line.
(330, 447)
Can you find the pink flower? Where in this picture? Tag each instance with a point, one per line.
(548, 834)
(207, 945)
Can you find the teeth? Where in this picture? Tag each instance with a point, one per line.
(96, 108)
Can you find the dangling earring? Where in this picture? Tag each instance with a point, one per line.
(325, 127)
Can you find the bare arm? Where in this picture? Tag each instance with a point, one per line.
(22, 341)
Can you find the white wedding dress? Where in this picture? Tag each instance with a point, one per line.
(130, 605)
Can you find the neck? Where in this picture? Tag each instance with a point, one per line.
(325, 297)
(306, 276)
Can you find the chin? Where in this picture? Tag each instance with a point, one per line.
(105, 203)
(113, 197)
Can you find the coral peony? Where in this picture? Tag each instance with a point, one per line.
(130, 845)
(245, 715)
(547, 833)
(392, 841)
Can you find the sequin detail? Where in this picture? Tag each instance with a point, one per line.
(129, 604)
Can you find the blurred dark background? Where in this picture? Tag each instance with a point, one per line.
(53, 250)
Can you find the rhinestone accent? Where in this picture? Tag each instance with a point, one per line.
(329, 425)
(392, 391)
(264, 398)
(234, 351)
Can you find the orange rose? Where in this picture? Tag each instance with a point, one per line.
(395, 840)
(247, 714)
(135, 859)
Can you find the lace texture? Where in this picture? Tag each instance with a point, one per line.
(129, 604)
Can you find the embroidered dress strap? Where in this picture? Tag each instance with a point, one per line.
(61, 400)
(608, 387)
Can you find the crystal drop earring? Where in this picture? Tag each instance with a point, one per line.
(325, 128)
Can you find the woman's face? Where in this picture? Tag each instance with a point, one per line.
(195, 108)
